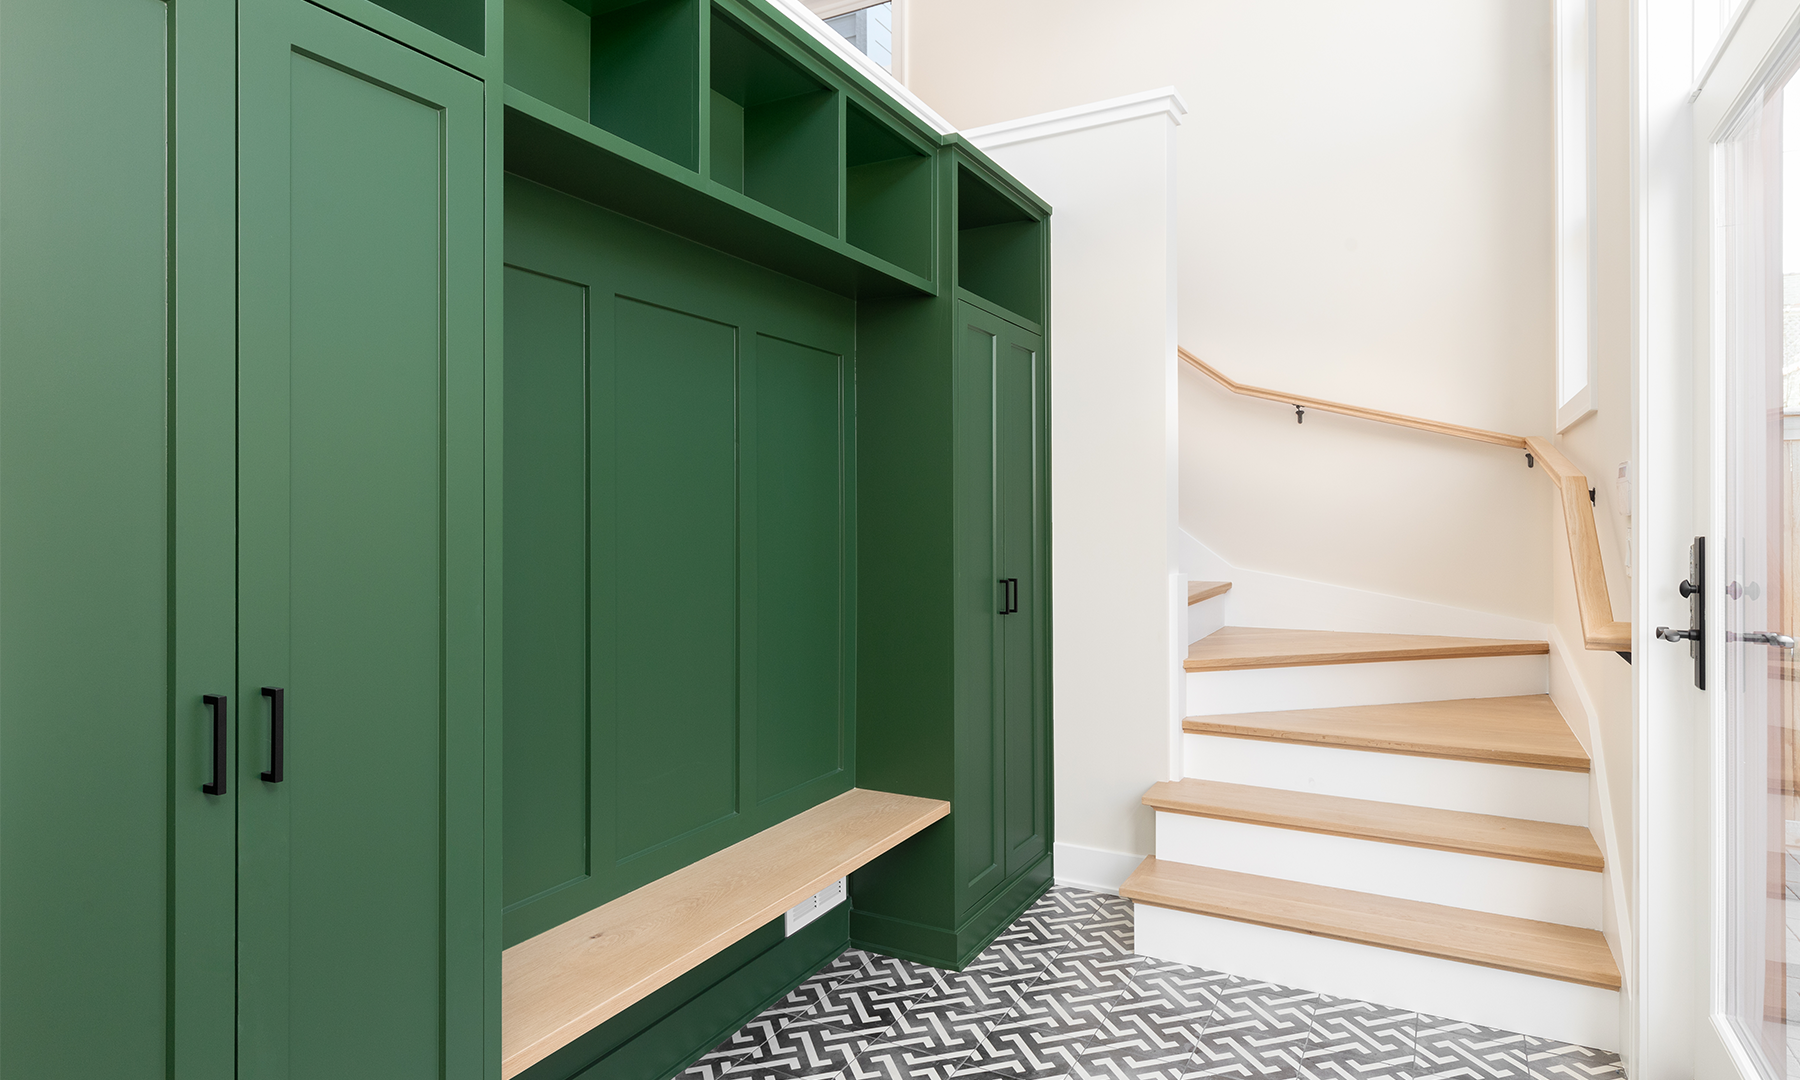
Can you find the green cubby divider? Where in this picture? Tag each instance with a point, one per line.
(462, 21)
(999, 247)
(888, 203)
(632, 68)
(775, 129)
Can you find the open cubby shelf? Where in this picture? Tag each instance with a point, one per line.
(547, 145)
(887, 192)
(632, 68)
(461, 21)
(999, 247)
(774, 128)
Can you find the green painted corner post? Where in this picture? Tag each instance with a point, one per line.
(955, 585)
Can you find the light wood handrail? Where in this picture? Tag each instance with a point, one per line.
(1599, 630)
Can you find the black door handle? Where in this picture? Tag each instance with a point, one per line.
(1009, 596)
(218, 705)
(277, 732)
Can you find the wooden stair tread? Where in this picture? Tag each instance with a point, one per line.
(1415, 826)
(1234, 648)
(1549, 950)
(570, 978)
(1206, 590)
(1526, 730)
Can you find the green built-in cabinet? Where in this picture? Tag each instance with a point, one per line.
(460, 461)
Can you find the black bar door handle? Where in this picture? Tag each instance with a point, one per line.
(277, 732)
(1009, 596)
(220, 765)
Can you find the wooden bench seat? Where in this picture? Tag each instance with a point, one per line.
(571, 978)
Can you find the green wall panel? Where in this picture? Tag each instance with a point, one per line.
(720, 533)
(665, 662)
(546, 791)
(84, 608)
(800, 578)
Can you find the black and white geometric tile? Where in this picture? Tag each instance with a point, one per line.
(1059, 995)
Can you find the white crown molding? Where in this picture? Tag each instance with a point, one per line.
(831, 39)
(1164, 102)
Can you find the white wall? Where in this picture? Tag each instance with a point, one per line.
(1365, 215)
(1109, 173)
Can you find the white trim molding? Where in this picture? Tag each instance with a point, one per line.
(1092, 868)
(1165, 101)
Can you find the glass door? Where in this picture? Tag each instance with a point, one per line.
(1756, 354)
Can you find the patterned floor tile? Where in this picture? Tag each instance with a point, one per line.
(1354, 1040)
(1549, 1060)
(808, 994)
(1259, 1031)
(1043, 1036)
(930, 1039)
(1060, 996)
(1131, 1058)
(869, 1007)
(1456, 1050)
(801, 999)
(802, 1052)
(1163, 1010)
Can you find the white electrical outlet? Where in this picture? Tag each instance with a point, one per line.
(817, 904)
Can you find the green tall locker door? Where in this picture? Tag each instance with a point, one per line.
(1002, 788)
(360, 544)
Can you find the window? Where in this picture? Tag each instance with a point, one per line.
(871, 30)
(1577, 236)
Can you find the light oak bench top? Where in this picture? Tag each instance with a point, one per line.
(567, 980)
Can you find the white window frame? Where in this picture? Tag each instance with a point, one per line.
(1577, 240)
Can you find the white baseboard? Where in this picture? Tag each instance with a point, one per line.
(1328, 686)
(1092, 868)
(1523, 890)
(1547, 1008)
(1471, 786)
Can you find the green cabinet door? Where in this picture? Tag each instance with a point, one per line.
(360, 545)
(1021, 526)
(1002, 786)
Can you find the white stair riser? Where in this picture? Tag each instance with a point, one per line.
(1206, 616)
(1325, 686)
(1479, 883)
(1547, 1008)
(1472, 786)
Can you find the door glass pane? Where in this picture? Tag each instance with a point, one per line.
(1756, 340)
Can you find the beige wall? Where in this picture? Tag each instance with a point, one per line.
(1364, 211)
(1365, 203)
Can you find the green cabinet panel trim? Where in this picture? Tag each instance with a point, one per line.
(85, 616)
(679, 593)
(360, 533)
(607, 428)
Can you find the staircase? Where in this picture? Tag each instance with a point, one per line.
(1394, 818)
